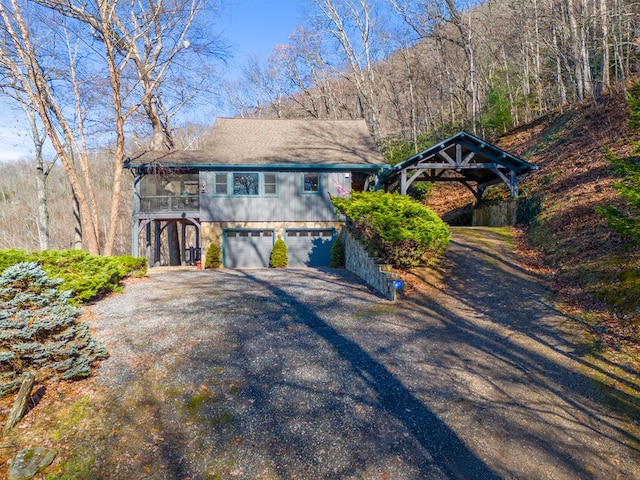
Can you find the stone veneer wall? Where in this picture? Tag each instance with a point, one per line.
(376, 275)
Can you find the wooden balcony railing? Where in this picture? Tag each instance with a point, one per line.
(170, 203)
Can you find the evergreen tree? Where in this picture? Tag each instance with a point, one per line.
(625, 220)
(278, 257)
(39, 331)
(214, 256)
(633, 99)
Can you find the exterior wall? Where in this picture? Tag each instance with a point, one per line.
(376, 275)
(212, 231)
(290, 204)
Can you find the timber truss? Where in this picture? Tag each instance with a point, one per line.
(461, 158)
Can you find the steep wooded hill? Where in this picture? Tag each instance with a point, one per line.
(593, 268)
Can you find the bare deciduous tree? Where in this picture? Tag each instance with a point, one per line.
(338, 19)
(19, 60)
(131, 48)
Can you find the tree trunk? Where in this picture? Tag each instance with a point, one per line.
(604, 18)
(77, 225)
(562, 91)
(574, 50)
(43, 214)
(41, 180)
(585, 62)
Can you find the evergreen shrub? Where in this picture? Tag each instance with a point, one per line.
(420, 191)
(12, 256)
(278, 258)
(214, 256)
(625, 220)
(88, 276)
(39, 331)
(337, 254)
(400, 230)
(633, 100)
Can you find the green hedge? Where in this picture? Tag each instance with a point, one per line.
(337, 254)
(399, 230)
(88, 276)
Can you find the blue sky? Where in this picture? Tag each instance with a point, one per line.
(251, 27)
(257, 26)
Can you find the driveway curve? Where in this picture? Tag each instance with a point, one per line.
(308, 374)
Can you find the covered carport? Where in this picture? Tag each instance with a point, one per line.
(462, 158)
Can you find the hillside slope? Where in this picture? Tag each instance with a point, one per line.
(595, 271)
(591, 266)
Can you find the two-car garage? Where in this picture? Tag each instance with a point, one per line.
(251, 248)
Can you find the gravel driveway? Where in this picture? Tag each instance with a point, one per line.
(307, 374)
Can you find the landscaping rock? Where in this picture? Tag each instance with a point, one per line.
(29, 462)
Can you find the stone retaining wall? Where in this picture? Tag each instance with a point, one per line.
(378, 276)
(495, 213)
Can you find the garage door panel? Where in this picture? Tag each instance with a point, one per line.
(309, 248)
(247, 248)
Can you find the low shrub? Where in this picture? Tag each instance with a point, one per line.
(214, 256)
(625, 220)
(278, 258)
(11, 257)
(88, 276)
(337, 254)
(400, 231)
(39, 331)
(633, 100)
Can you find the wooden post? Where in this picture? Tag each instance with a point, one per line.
(156, 238)
(20, 405)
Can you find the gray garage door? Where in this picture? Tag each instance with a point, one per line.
(310, 247)
(247, 248)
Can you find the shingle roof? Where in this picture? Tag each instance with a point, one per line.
(244, 141)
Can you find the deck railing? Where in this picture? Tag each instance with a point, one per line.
(170, 203)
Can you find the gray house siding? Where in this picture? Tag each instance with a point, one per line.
(290, 202)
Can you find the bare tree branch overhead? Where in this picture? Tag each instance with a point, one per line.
(148, 58)
(111, 75)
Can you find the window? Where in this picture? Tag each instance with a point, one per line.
(246, 183)
(311, 183)
(220, 184)
(269, 183)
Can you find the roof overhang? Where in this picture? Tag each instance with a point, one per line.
(153, 166)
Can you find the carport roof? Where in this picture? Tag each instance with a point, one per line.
(279, 142)
(461, 158)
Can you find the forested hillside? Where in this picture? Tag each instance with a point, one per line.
(553, 75)
(590, 264)
(415, 69)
